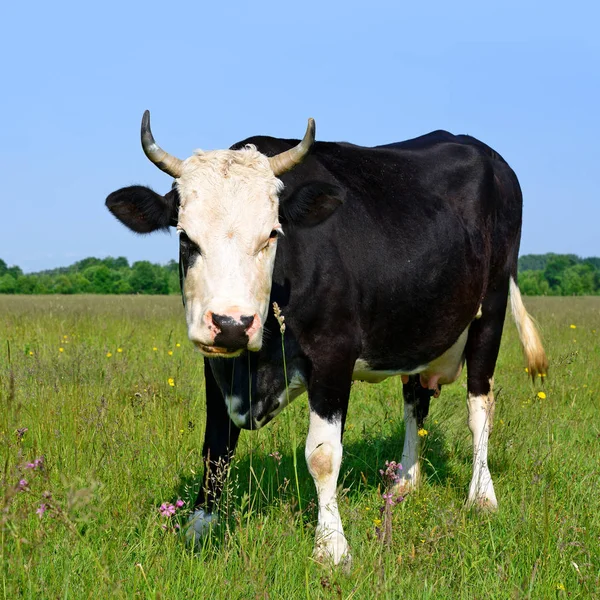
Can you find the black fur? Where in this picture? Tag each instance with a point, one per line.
(387, 255)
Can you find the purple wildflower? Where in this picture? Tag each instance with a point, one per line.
(38, 463)
(22, 485)
(42, 509)
(180, 503)
(389, 498)
(167, 509)
(391, 473)
(21, 432)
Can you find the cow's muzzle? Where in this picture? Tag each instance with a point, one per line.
(231, 332)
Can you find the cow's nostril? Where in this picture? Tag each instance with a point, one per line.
(247, 321)
(232, 333)
(226, 322)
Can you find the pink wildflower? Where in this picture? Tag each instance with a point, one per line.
(38, 463)
(180, 503)
(167, 509)
(22, 485)
(391, 474)
(389, 498)
(41, 510)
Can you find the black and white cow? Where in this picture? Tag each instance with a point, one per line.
(393, 260)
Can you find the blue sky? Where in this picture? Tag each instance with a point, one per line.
(76, 78)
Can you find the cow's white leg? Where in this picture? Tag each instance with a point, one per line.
(410, 474)
(324, 458)
(481, 414)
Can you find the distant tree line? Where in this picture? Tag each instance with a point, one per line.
(539, 275)
(559, 275)
(94, 276)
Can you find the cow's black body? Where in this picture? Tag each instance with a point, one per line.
(427, 232)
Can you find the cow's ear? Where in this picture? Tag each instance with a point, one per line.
(143, 210)
(310, 204)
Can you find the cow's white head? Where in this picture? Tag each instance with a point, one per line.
(228, 226)
(225, 205)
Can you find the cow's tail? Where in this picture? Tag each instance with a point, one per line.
(537, 363)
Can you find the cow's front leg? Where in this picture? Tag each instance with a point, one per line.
(328, 408)
(220, 439)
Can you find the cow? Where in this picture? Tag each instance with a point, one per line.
(306, 265)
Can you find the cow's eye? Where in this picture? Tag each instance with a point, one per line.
(187, 245)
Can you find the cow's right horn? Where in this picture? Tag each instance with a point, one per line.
(163, 160)
(286, 161)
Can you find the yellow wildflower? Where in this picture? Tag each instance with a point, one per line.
(377, 522)
(560, 586)
(171, 382)
(177, 345)
(108, 354)
(573, 326)
(30, 353)
(154, 348)
(170, 352)
(541, 395)
(61, 349)
(65, 337)
(526, 370)
(119, 350)
(422, 432)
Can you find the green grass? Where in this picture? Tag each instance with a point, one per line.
(118, 440)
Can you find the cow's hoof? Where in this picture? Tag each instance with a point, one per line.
(483, 504)
(331, 547)
(198, 526)
(482, 496)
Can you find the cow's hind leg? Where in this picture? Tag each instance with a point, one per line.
(481, 353)
(416, 409)
(220, 439)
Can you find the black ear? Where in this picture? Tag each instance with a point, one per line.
(310, 204)
(143, 210)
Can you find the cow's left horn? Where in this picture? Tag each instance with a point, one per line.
(287, 160)
(163, 160)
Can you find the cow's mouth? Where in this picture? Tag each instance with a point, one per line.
(218, 351)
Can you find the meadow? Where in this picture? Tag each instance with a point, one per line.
(101, 424)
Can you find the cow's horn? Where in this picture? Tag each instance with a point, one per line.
(163, 160)
(290, 158)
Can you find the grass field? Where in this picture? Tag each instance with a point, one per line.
(107, 395)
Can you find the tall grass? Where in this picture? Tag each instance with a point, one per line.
(120, 435)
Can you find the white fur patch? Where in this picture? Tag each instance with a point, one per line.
(229, 206)
(324, 458)
(481, 414)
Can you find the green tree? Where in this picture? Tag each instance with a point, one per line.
(8, 284)
(555, 268)
(147, 278)
(532, 283)
(26, 284)
(62, 284)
